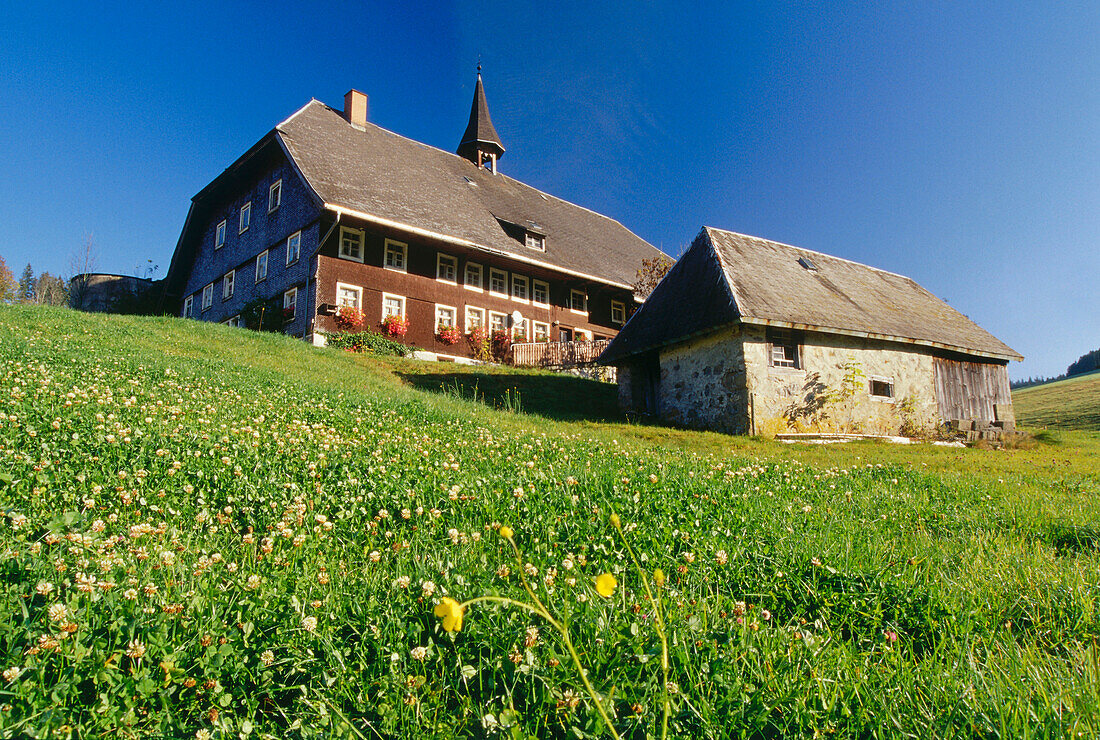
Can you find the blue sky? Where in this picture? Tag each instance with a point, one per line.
(957, 145)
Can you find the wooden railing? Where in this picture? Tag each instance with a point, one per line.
(557, 354)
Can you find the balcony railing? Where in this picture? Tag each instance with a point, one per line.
(557, 354)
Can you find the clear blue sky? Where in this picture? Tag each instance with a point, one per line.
(957, 143)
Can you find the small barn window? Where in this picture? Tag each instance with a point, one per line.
(782, 347)
(882, 387)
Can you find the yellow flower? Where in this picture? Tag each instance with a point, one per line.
(615, 521)
(605, 584)
(659, 577)
(450, 611)
(506, 532)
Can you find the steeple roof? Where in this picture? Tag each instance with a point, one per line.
(480, 135)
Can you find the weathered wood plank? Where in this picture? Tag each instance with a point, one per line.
(969, 390)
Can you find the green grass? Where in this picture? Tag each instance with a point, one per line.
(209, 530)
(1073, 403)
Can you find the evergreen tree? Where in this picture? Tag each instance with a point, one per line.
(25, 292)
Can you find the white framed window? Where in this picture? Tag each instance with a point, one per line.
(208, 296)
(397, 254)
(293, 247)
(446, 267)
(393, 305)
(542, 331)
(618, 312)
(519, 288)
(234, 321)
(521, 331)
(582, 335)
(351, 244)
(472, 279)
(475, 318)
(290, 301)
(535, 241)
(349, 295)
(227, 284)
(188, 304)
(498, 282)
(540, 292)
(246, 217)
(881, 389)
(783, 347)
(578, 301)
(261, 266)
(498, 321)
(219, 235)
(444, 316)
(274, 195)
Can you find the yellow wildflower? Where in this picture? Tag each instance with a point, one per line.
(506, 532)
(605, 585)
(450, 611)
(615, 521)
(659, 577)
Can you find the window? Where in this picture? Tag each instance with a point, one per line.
(290, 304)
(293, 247)
(208, 296)
(521, 331)
(578, 301)
(535, 241)
(188, 303)
(498, 321)
(348, 295)
(274, 195)
(475, 318)
(444, 317)
(235, 321)
(498, 282)
(882, 387)
(261, 266)
(219, 236)
(446, 267)
(519, 288)
(246, 217)
(393, 305)
(618, 312)
(542, 332)
(782, 346)
(396, 254)
(351, 244)
(540, 293)
(473, 276)
(582, 335)
(227, 284)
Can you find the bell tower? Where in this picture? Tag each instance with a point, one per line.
(481, 144)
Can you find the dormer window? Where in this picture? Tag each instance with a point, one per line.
(536, 241)
(351, 244)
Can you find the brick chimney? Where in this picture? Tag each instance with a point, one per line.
(355, 108)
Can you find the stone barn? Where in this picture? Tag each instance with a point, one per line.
(748, 336)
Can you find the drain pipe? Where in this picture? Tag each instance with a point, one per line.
(313, 315)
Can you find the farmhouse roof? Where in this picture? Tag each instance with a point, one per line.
(726, 278)
(378, 175)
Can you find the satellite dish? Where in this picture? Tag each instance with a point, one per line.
(517, 317)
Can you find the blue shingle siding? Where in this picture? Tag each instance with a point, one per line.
(267, 231)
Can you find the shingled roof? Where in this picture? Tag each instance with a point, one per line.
(380, 176)
(726, 278)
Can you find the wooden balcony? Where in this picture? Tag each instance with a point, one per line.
(557, 354)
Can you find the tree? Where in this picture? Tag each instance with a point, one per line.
(7, 283)
(81, 262)
(650, 274)
(51, 291)
(25, 291)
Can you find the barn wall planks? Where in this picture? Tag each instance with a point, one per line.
(968, 390)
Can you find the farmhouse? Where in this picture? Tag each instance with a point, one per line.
(746, 335)
(330, 211)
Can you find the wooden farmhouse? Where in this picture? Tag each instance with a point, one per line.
(746, 335)
(329, 211)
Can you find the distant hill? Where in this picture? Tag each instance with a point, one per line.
(1073, 403)
(1083, 365)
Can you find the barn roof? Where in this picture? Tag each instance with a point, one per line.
(378, 175)
(726, 277)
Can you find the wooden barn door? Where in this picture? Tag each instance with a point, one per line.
(968, 390)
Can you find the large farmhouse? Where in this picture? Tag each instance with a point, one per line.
(328, 210)
(746, 335)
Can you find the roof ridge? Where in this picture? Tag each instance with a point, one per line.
(811, 251)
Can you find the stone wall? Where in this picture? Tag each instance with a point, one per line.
(795, 398)
(703, 383)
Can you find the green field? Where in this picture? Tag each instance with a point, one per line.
(1073, 403)
(208, 532)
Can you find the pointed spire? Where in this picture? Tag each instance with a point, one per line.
(481, 144)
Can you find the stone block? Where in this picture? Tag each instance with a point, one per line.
(1004, 412)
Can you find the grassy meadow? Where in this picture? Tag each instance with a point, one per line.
(1073, 403)
(208, 532)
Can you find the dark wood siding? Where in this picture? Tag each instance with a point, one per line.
(967, 389)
